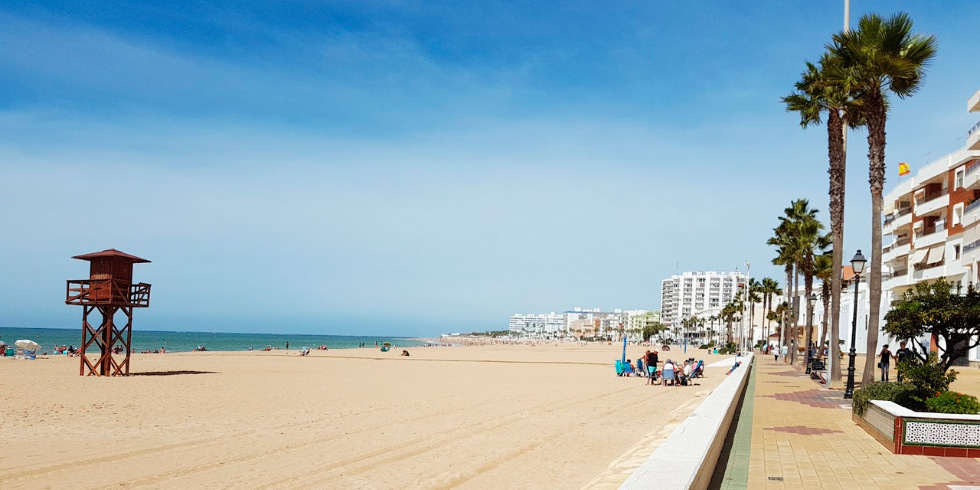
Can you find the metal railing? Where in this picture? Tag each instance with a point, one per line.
(897, 214)
(970, 207)
(973, 166)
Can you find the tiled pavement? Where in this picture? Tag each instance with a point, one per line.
(803, 437)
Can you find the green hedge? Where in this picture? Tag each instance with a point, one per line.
(903, 394)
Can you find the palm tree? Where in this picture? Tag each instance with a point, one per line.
(880, 56)
(730, 314)
(823, 267)
(812, 241)
(769, 288)
(795, 238)
(754, 296)
(827, 88)
(784, 257)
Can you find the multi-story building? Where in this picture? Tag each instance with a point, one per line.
(686, 294)
(933, 221)
(582, 323)
(544, 325)
(932, 218)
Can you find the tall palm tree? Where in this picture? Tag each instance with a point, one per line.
(770, 288)
(754, 296)
(880, 56)
(795, 238)
(812, 242)
(823, 267)
(827, 89)
(784, 257)
(729, 313)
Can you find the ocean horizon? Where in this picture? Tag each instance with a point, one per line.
(182, 341)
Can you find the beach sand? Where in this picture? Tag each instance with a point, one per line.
(497, 416)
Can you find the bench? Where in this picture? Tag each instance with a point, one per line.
(816, 366)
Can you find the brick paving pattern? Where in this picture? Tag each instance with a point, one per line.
(805, 436)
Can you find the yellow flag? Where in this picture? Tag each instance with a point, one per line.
(903, 169)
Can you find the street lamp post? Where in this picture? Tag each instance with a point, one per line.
(809, 338)
(857, 263)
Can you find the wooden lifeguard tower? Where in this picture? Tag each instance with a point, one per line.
(109, 289)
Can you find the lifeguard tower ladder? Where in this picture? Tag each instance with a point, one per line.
(108, 289)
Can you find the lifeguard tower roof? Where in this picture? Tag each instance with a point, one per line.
(111, 253)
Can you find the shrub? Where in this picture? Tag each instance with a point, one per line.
(903, 394)
(953, 402)
(928, 377)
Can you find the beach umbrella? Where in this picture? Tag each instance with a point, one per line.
(624, 350)
(27, 344)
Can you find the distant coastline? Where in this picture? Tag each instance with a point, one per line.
(174, 341)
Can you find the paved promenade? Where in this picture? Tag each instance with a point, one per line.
(802, 436)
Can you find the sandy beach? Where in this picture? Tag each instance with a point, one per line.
(497, 416)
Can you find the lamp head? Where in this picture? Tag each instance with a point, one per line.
(857, 263)
(813, 300)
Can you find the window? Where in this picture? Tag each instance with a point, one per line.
(958, 214)
(959, 178)
(956, 252)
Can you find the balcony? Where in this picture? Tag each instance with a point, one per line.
(107, 292)
(898, 249)
(899, 219)
(932, 203)
(971, 213)
(973, 137)
(930, 238)
(971, 180)
(894, 280)
(930, 272)
(973, 105)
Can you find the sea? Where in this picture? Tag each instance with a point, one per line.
(144, 340)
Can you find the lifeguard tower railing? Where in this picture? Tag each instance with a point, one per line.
(106, 292)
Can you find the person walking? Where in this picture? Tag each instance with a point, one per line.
(784, 352)
(885, 362)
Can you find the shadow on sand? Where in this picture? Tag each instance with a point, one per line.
(170, 373)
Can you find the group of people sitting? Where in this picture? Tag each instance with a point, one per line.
(648, 367)
(68, 350)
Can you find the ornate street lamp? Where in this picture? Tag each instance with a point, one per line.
(809, 338)
(857, 263)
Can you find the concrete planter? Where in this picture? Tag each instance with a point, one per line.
(905, 431)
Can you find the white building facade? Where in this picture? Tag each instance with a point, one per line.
(687, 294)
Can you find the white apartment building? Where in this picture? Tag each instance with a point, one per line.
(582, 323)
(543, 325)
(687, 294)
(932, 222)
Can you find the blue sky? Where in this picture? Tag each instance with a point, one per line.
(412, 168)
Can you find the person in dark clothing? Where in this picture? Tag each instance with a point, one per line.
(903, 354)
(885, 362)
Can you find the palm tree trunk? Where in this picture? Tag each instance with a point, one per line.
(876, 176)
(796, 315)
(838, 164)
(808, 290)
(783, 340)
(825, 297)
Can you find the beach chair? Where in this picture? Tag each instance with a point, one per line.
(698, 371)
(652, 373)
(627, 370)
(669, 375)
(619, 368)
